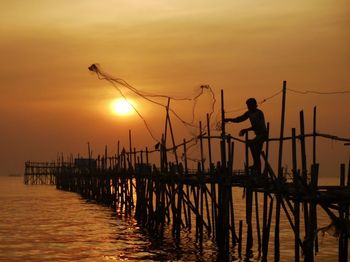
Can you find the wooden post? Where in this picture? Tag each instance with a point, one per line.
(130, 149)
(105, 158)
(269, 219)
(131, 181)
(166, 121)
(89, 150)
(232, 213)
(163, 155)
(314, 138)
(296, 203)
(341, 252)
(118, 157)
(201, 210)
(205, 191)
(201, 145)
(89, 155)
(135, 157)
(309, 241)
(303, 167)
(195, 192)
(314, 163)
(240, 231)
(179, 207)
(249, 207)
(280, 175)
(212, 186)
(265, 237)
(139, 197)
(346, 240)
(257, 221)
(280, 151)
(172, 135)
(187, 187)
(222, 223)
(249, 202)
(201, 186)
(185, 157)
(209, 144)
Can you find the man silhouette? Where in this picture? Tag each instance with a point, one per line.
(257, 120)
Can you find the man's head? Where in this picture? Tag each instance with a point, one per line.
(251, 104)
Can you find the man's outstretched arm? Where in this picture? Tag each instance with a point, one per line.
(238, 119)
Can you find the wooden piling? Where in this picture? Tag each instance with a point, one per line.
(212, 185)
(304, 169)
(257, 221)
(314, 163)
(347, 212)
(223, 222)
(311, 233)
(296, 182)
(280, 174)
(240, 232)
(342, 250)
(265, 235)
(232, 211)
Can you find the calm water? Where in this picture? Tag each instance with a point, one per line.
(40, 223)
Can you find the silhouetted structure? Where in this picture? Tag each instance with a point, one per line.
(171, 193)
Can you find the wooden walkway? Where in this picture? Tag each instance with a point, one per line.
(158, 198)
(169, 193)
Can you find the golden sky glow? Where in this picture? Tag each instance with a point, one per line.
(50, 103)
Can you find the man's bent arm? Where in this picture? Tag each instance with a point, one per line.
(238, 119)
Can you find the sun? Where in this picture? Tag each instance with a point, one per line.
(121, 107)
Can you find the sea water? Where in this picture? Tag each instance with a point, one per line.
(41, 223)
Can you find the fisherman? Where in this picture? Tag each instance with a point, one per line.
(257, 120)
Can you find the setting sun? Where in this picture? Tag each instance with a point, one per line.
(121, 107)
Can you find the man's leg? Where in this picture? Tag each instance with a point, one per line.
(252, 147)
(256, 148)
(259, 146)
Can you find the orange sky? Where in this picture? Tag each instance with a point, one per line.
(50, 103)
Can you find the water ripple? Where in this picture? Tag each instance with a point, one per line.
(40, 223)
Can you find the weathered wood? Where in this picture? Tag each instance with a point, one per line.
(304, 170)
(240, 232)
(314, 162)
(223, 222)
(342, 257)
(232, 211)
(257, 221)
(311, 229)
(280, 174)
(296, 203)
(265, 238)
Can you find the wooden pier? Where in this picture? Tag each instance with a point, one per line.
(201, 199)
(40, 173)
